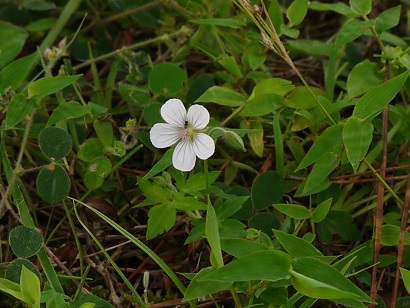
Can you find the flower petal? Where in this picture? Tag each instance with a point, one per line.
(184, 157)
(198, 116)
(203, 146)
(174, 112)
(164, 135)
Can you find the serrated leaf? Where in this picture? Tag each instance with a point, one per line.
(50, 85)
(161, 219)
(357, 136)
(374, 101)
(153, 191)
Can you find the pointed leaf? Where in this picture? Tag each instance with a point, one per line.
(50, 85)
(30, 287)
(222, 96)
(296, 246)
(293, 210)
(18, 108)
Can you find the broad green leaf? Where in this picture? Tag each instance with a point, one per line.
(197, 182)
(270, 265)
(338, 7)
(295, 246)
(311, 47)
(12, 39)
(351, 30)
(198, 288)
(390, 236)
(357, 85)
(30, 287)
(239, 247)
(321, 211)
(374, 101)
(315, 278)
(12, 288)
(153, 191)
(267, 189)
(134, 95)
(25, 241)
(96, 172)
(161, 219)
(13, 271)
(42, 24)
(50, 85)
(261, 105)
(405, 275)
(104, 132)
(222, 22)
(293, 210)
(361, 7)
(161, 165)
(277, 86)
(18, 108)
(340, 223)
(357, 136)
(69, 110)
(222, 96)
(90, 150)
(275, 14)
(265, 222)
(322, 168)
(253, 56)
(53, 183)
(256, 138)
(297, 12)
(230, 207)
(13, 74)
(229, 63)
(166, 79)
(54, 142)
(185, 203)
(300, 98)
(388, 19)
(330, 140)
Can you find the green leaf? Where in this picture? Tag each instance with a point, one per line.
(261, 106)
(50, 85)
(197, 182)
(30, 287)
(53, 183)
(295, 246)
(239, 247)
(55, 142)
(160, 81)
(104, 132)
(96, 172)
(388, 19)
(351, 30)
(405, 275)
(357, 85)
(256, 138)
(12, 39)
(275, 14)
(390, 236)
(12, 288)
(69, 110)
(293, 210)
(311, 47)
(212, 235)
(357, 136)
(322, 168)
(222, 22)
(90, 150)
(253, 56)
(321, 211)
(161, 165)
(161, 219)
(13, 74)
(374, 101)
(330, 140)
(317, 279)
(25, 241)
(134, 95)
(13, 271)
(222, 96)
(38, 5)
(300, 98)
(153, 191)
(338, 7)
(185, 203)
(361, 7)
(267, 189)
(270, 265)
(297, 12)
(18, 108)
(229, 63)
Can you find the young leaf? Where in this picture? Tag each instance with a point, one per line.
(18, 108)
(373, 102)
(256, 138)
(161, 219)
(153, 191)
(297, 12)
(91, 149)
(222, 96)
(49, 85)
(357, 136)
(212, 235)
(30, 287)
(361, 7)
(12, 288)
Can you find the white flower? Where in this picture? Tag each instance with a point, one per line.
(183, 129)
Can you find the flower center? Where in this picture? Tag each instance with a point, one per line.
(188, 132)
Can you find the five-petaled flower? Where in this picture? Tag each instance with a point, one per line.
(185, 129)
